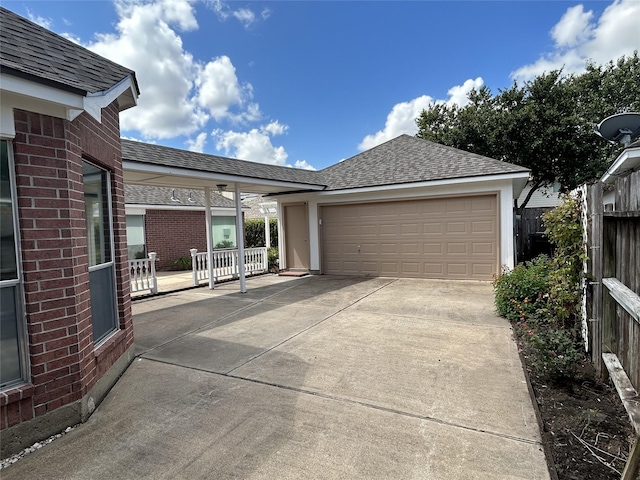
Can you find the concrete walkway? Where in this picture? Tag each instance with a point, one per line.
(314, 377)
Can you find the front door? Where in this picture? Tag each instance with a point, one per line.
(296, 236)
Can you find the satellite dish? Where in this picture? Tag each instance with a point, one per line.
(620, 128)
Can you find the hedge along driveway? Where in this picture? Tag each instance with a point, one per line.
(318, 377)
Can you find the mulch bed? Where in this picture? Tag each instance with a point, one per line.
(585, 428)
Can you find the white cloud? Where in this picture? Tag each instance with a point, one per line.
(403, 115)
(219, 89)
(42, 21)
(179, 94)
(244, 15)
(458, 94)
(573, 28)
(579, 37)
(197, 144)
(304, 165)
(254, 145)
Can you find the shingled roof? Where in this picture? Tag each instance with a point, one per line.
(173, 157)
(32, 52)
(162, 196)
(406, 159)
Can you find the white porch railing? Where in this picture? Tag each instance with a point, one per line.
(225, 263)
(142, 274)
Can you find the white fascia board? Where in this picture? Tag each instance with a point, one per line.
(433, 183)
(131, 207)
(36, 97)
(209, 177)
(95, 102)
(628, 161)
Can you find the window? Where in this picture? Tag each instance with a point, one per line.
(97, 201)
(135, 237)
(224, 232)
(13, 360)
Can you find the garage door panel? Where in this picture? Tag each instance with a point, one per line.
(432, 228)
(457, 248)
(437, 238)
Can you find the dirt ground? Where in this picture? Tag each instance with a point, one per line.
(585, 426)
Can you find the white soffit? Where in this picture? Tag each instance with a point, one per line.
(627, 162)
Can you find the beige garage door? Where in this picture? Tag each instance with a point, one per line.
(437, 238)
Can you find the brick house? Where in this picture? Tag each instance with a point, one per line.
(65, 308)
(171, 221)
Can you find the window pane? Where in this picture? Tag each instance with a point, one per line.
(101, 279)
(135, 229)
(103, 309)
(224, 232)
(10, 368)
(97, 212)
(8, 264)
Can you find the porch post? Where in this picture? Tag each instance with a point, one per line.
(267, 233)
(240, 240)
(207, 214)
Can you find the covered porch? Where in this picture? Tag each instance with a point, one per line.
(154, 165)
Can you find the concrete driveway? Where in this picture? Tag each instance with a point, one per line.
(314, 377)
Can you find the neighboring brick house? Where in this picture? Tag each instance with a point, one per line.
(171, 221)
(66, 331)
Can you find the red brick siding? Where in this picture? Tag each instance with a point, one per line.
(172, 233)
(48, 155)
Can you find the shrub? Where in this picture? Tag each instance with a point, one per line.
(521, 292)
(254, 232)
(225, 244)
(563, 226)
(272, 259)
(183, 263)
(554, 353)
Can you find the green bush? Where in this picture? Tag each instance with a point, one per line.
(272, 258)
(254, 232)
(542, 298)
(521, 292)
(563, 227)
(183, 263)
(554, 353)
(225, 244)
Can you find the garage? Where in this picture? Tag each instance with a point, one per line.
(450, 238)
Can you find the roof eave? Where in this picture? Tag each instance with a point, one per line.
(628, 161)
(47, 98)
(517, 177)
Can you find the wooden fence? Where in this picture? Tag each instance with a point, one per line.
(530, 241)
(613, 276)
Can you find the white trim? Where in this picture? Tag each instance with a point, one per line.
(240, 240)
(629, 160)
(219, 211)
(19, 93)
(427, 184)
(134, 211)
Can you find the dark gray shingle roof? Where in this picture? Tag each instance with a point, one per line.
(31, 51)
(402, 160)
(143, 195)
(167, 156)
(407, 159)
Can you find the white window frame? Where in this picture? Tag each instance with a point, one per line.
(21, 320)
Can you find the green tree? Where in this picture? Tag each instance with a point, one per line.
(545, 124)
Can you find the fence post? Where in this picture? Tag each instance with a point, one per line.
(194, 266)
(154, 279)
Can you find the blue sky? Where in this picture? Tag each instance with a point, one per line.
(309, 83)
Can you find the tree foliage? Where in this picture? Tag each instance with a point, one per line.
(545, 124)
